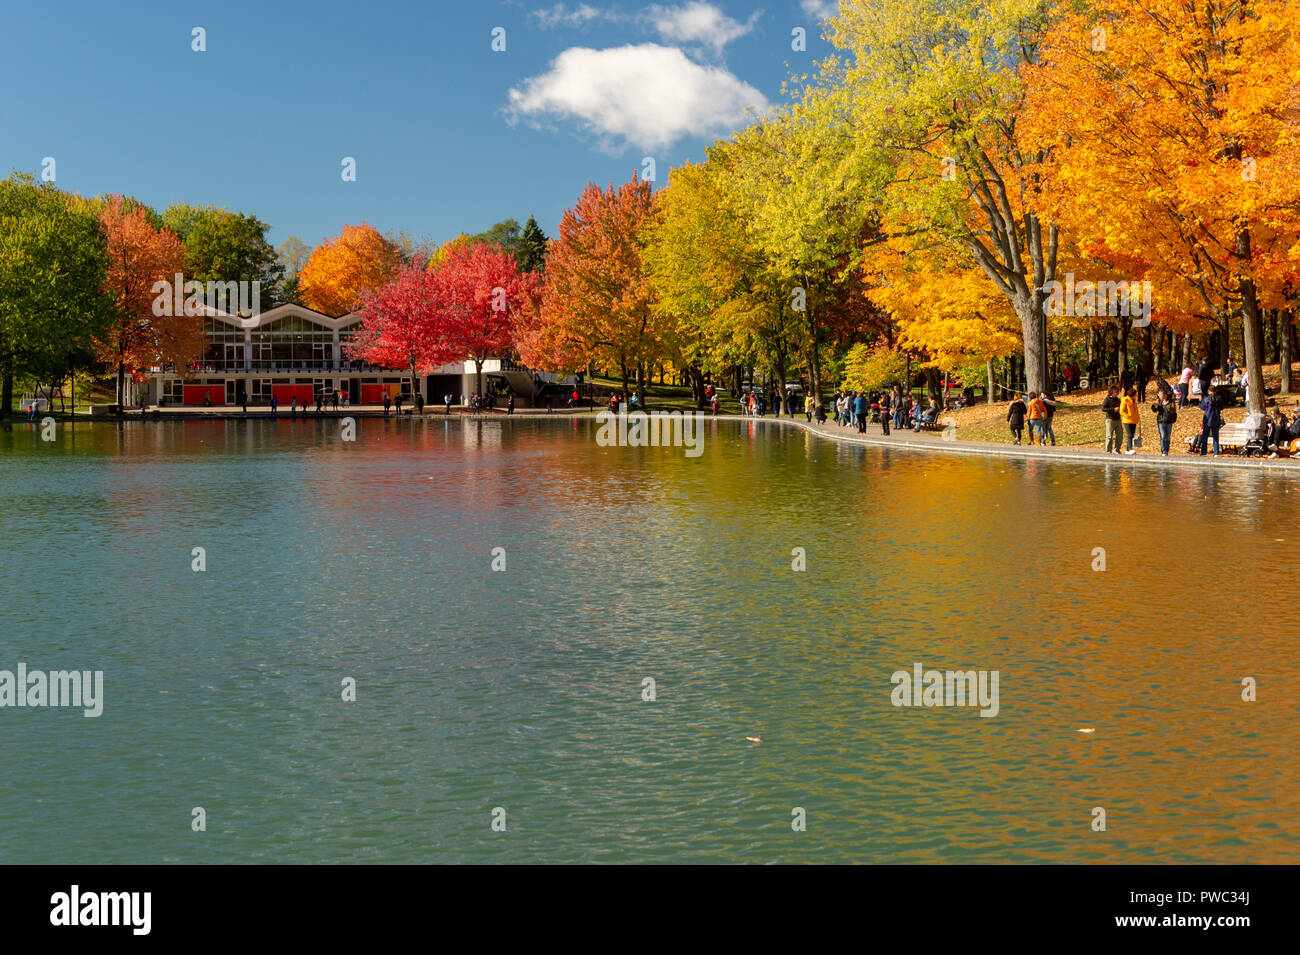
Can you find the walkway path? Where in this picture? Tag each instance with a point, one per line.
(906, 440)
(934, 441)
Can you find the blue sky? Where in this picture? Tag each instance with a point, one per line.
(448, 135)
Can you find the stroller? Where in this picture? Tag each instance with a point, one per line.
(1259, 431)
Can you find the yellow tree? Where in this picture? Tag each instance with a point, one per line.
(710, 278)
(928, 91)
(944, 306)
(340, 269)
(793, 182)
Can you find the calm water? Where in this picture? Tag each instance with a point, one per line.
(522, 689)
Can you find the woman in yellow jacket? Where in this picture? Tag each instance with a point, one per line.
(1128, 415)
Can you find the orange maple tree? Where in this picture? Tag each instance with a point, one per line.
(340, 269)
(1177, 156)
(140, 255)
(597, 303)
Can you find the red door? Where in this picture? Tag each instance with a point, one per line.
(199, 394)
(284, 394)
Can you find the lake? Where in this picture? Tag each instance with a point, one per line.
(516, 695)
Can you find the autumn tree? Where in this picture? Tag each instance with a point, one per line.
(597, 302)
(140, 256)
(340, 269)
(1186, 155)
(711, 279)
(928, 92)
(944, 308)
(480, 295)
(400, 323)
(796, 187)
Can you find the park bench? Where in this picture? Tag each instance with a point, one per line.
(1232, 436)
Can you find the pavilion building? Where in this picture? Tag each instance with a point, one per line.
(295, 352)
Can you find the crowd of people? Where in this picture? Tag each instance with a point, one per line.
(855, 409)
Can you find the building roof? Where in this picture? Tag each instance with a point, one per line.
(288, 310)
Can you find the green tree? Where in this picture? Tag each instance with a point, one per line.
(532, 247)
(225, 246)
(52, 269)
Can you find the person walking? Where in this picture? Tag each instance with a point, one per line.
(1185, 383)
(860, 411)
(275, 404)
(1211, 421)
(1110, 408)
(1037, 412)
(446, 400)
(808, 404)
(1016, 412)
(388, 400)
(510, 405)
(1166, 414)
(885, 413)
(243, 400)
(1128, 415)
(419, 403)
(1045, 423)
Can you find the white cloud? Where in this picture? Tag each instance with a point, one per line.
(821, 9)
(698, 22)
(648, 96)
(561, 15)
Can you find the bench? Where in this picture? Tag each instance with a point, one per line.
(1231, 436)
(935, 425)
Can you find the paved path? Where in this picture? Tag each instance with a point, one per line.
(907, 440)
(934, 441)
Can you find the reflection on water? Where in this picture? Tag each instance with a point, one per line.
(523, 689)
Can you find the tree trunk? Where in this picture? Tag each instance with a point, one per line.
(988, 366)
(814, 356)
(1160, 353)
(932, 386)
(478, 378)
(1285, 355)
(1033, 326)
(1121, 346)
(622, 367)
(1251, 330)
(1185, 357)
(1275, 341)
